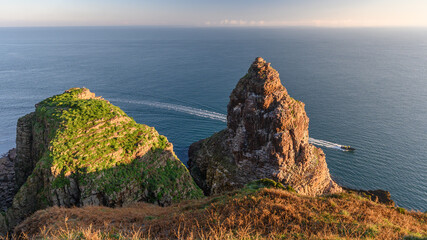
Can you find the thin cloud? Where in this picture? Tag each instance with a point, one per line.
(235, 22)
(299, 23)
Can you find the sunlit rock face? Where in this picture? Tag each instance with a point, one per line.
(266, 137)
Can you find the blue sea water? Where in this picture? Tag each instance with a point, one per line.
(362, 87)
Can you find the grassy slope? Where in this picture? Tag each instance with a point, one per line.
(251, 213)
(96, 143)
(93, 135)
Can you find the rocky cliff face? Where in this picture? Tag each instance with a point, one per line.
(26, 159)
(266, 137)
(77, 150)
(7, 179)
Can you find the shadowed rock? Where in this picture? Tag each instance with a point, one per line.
(7, 179)
(378, 195)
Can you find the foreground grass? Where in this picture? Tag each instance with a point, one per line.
(267, 213)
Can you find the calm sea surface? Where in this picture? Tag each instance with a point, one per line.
(362, 87)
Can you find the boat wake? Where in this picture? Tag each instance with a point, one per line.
(179, 108)
(323, 143)
(212, 115)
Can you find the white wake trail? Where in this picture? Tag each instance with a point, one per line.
(179, 108)
(211, 115)
(324, 143)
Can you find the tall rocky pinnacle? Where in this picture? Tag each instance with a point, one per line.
(266, 137)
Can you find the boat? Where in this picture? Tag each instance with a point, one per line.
(347, 148)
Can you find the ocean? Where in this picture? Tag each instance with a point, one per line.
(362, 87)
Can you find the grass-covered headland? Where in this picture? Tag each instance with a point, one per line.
(89, 152)
(94, 136)
(103, 149)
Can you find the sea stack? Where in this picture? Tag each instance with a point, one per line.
(266, 137)
(79, 150)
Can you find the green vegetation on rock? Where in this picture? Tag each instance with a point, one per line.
(91, 136)
(89, 152)
(267, 183)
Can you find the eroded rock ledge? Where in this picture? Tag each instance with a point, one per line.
(266, 137)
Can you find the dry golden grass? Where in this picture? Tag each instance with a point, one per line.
(246, 214)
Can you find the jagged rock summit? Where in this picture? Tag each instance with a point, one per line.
(77, 149)
(266, 137)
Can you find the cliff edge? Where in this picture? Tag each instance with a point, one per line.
(77, 149)
(266, 137)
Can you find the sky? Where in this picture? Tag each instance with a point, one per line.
(213, 13)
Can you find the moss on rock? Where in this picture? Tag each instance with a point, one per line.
(268, 183)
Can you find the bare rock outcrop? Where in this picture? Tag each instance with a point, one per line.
(266, 137)
(378, 195)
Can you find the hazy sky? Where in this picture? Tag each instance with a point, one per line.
(328, 13)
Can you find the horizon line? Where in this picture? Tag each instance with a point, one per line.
(214, 26)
